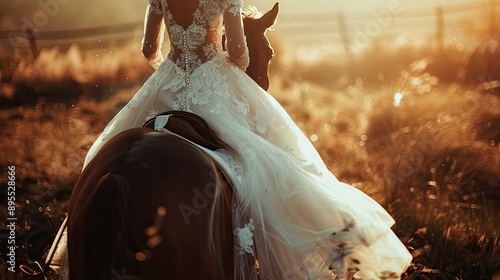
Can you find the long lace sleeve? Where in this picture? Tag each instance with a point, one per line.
(154, 30)
(235, 38)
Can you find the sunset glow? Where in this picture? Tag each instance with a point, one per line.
(401, 99)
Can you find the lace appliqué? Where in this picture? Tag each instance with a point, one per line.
(261, 124)
(243, 106)
(245, 238)
(216, 109)
(234, 166)
(245, 56)
(313, 169)
(182, 104)
(208, 50)
(187, 41)
(178, 81)
(243, 60)
(151, 114)
(233, 6)
(199, 91)
(155, 7)
(190, 44)
(156, 61)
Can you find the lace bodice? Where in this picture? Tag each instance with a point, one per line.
(201, 40)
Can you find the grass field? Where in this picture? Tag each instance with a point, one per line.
(402, 130)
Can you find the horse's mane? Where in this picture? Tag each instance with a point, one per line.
(252, 12)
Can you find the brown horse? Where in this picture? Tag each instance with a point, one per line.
(259, 48)
(153, 205)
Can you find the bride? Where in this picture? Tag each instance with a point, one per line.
(299, 220)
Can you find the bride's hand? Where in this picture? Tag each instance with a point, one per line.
(156, 60)
(242, 62)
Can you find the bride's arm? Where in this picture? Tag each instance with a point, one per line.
(235, 38)
(154, 30)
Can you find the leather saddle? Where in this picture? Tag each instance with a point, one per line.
(187, 125)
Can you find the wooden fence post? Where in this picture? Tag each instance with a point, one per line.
(493, 19)
(344, 34)
(439, 27)
(32, 40)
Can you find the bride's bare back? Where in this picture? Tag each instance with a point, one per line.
(183, 11)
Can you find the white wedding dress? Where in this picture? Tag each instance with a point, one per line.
(292, 215)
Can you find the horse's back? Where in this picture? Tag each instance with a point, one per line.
(145, 206)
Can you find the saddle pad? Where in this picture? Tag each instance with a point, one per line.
(189, 126)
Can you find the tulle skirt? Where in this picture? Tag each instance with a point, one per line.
(291, 214)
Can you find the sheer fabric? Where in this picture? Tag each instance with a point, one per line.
(291, 213)
(195, 43)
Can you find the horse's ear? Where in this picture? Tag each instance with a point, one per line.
(269, 18)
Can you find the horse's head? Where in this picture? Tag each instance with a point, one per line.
(259, 48)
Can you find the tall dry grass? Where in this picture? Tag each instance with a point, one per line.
(64, 76)
(427, 150)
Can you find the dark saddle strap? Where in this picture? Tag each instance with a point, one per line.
(189, 126)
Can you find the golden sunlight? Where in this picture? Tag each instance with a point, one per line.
(401, 98)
